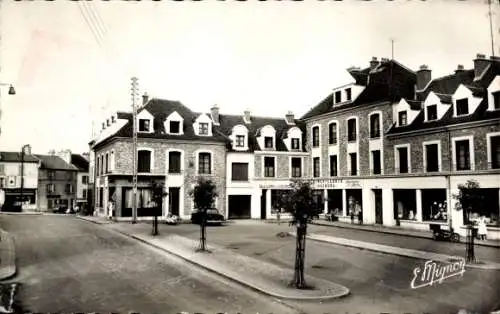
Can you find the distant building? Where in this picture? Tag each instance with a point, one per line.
(57, 182)
(82, 181)
(12, 164)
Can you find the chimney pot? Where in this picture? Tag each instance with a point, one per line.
(424, 76)
(460, 68)
(481, 56)
(145, 99)
(103, 125)
(247, 116)
(215, 114)
(373, 63)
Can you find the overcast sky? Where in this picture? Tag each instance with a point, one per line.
(270, 57)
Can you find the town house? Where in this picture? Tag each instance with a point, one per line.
(348, 144)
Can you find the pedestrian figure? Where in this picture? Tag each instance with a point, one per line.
(110, 210)
(359, 212)
(278, 214)
(352, 216)
(482, 231)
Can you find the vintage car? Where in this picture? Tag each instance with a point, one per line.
(213, 217)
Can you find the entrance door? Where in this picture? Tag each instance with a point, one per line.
(174, 201)
(239, 206)
(263, 212)
(378, 206)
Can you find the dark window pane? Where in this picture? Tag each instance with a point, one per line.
(175, 126)
(315, 134)
(239, 171)
(204, 163)
(296, 167)
(333, 166)
(462, 106)
(402, 118)
(174, 162)
(403, 160)
(375, 126)
(268, 166)
(332, 133)
(432, 112)
(495, 152)
(354, 163)
(377, 167)
(432, 157)
(268, 142)
(351, 130)
(240, 140)
(316, 167)
(462, 156)
(295, 143)
(143, 161)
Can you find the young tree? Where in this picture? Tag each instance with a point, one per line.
(203, 194)
(158, 194)
(469, 198)
(300, 201)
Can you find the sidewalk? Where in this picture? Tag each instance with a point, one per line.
(7, 255)
(395, 230)
(425, 255)
(258, 275)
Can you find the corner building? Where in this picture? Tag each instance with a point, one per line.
(399, 143)
(247, 157)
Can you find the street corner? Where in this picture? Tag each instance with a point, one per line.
(7, 255)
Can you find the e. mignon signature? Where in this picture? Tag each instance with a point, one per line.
(434, 272)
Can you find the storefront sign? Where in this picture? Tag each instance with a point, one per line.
(275, 186)
(435, 272)
(336, 183)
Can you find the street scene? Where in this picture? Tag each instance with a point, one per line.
(249, 157)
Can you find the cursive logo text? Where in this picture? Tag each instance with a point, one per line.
(433, 272)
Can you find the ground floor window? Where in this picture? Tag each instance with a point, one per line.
(489, 208)
(434, 206)
(354, 201)
(335, 201)
(276, 195)
(145, 206)
(405, 204)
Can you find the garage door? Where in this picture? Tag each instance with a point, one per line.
(239, 206)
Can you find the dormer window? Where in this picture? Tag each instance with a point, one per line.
(174, 127)
(348, 94)
(431, 112)
(462, 106)
(240, 140)
(268, 142)
(496, 100)
(338, 96)
(144, 125)
(203, 128)
(402, 118)
(295, 143)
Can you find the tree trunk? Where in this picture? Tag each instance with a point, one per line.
(469, 242)
(155, 222)
(202, 231)
(299, 281)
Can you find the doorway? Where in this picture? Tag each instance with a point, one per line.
(263, 212)
(174, 201)
(239, 206)
(378, 206)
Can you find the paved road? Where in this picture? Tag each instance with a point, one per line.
(379, 283)
(69, 265)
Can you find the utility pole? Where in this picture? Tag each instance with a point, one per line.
(22, 177)
(135, 92)
(491, 29)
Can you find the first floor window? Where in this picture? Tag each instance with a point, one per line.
(462, 154)
(432, 158)
(269, 166)
(495, 151)
(403, 159)
(315, 136)
(353, 158)
(316, 167)
(174, 162)
(375, 126)
(333, 166)
(351, 130)
(296, 167)
(376, 162)
(204, 163)
(69, 188)
(144, 161)
(51, 188)
(239, 171)
(332, 133)
(84, 193)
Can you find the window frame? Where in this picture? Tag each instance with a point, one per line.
(313, 142)
(336, 170)
(356, 133)
(295, 140)
(462, 100)
(247, 178)
(148, 125)
(377, 114)
(211, 164)
(428, 117)
(292, 173)
(336, 139)
(470, 140)
(424, 157)
(170, 127)
(314, 167)
(397, 158)
(405, 112)
(203, 128)
(350, 164)
(151, 159)
(181, 159)
(264, 170)
(269, 139)
(237, 142)
(489, 149)
(372, 162)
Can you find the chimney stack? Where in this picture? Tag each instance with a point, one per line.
(424, 76)
(214, 111)
(247, 116)
(65, 155)
(373, 63)
(103, 125)
(460, 68)
(145, 99)
(480, 64)
(290, 118)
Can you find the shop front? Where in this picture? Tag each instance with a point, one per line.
(270, 193)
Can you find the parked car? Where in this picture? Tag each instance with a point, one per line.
(213, 217)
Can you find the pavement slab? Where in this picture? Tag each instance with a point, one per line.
(7, 255)
(256, 274)
(489, 265)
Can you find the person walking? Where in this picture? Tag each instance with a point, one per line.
(278, 214)
(482, 231)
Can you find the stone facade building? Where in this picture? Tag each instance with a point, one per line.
(398, 143)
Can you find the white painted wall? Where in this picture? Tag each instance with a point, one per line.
(79, 185)
(13, 169)
(433, 99)
(266, 131)
(402, 106)
(494, 87)
(294, 132)
(464, 92)
(242, 188)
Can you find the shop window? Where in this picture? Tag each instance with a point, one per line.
(434, 205)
